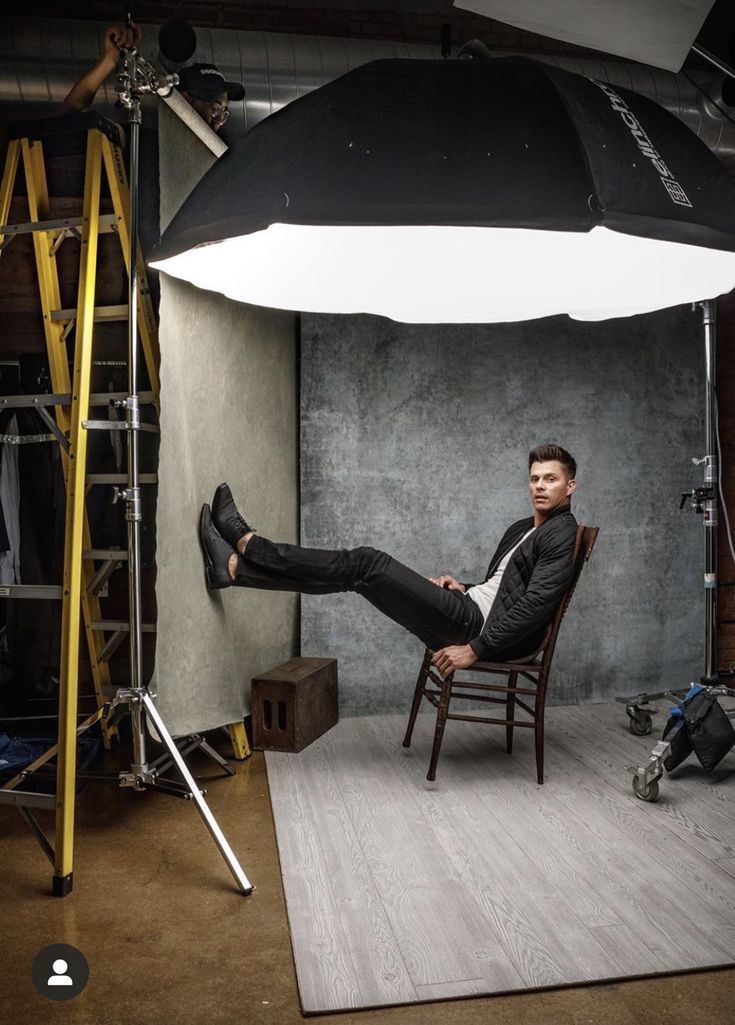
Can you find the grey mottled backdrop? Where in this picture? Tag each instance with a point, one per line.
(414, 439)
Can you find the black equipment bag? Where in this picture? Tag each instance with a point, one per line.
(700, 724)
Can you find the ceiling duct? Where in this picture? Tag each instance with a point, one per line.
(41, 58)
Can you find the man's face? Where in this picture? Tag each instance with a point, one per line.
(549, 486)
(214, 112)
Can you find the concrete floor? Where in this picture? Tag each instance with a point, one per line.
(169, 940)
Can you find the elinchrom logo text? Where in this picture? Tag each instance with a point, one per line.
(674, 189)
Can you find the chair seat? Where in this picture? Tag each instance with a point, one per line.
(496, 667)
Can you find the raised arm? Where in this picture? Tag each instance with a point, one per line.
(82, 94)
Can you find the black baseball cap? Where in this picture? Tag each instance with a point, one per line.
(206, 82)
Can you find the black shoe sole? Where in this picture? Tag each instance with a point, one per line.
(210, 575)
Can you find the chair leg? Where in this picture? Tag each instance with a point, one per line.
(441, 722)
(538, 730)
(417, 696)
(510, 704)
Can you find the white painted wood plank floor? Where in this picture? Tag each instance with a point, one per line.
(400, 890)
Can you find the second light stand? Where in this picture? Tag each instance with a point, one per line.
(703, 500)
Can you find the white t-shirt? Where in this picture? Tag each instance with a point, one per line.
(483, 595)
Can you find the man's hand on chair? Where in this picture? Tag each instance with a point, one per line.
(456, 656)
(449, 582)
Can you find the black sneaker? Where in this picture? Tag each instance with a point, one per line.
(226, 518)
(217, 553)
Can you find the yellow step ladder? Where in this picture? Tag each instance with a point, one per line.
(71, 401)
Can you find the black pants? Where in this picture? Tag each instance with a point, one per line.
(435, 615)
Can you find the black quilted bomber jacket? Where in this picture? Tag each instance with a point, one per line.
(532, 586)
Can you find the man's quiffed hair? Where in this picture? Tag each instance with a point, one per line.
(549, 453)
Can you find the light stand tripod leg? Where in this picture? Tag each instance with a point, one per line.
(217, 835)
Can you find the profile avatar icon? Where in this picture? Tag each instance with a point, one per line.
(60, 967)
(60, 972)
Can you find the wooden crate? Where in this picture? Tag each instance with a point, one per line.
(294, 704)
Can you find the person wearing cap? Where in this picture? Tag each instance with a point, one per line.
(203, 86)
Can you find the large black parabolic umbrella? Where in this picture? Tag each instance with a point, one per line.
(462, 191)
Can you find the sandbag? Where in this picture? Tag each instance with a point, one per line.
(698, 723)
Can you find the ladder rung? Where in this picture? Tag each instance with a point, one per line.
(34, 591)
(27, 799)
(120, 478)
(65, 127)
(107, 223)
(27, 401)
(95, 399)
(101, 314)
(103, 554)
(120, 626)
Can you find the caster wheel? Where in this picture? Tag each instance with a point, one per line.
(641, 727)
(645, 793)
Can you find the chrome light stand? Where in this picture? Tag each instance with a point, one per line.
(702, 500)
(137, 78)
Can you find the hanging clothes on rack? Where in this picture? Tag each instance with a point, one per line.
(10, 505)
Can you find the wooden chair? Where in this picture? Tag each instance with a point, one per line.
(534, 667)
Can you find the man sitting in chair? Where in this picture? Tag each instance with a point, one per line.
(502, 618)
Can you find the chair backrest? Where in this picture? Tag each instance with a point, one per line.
(583, 545)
